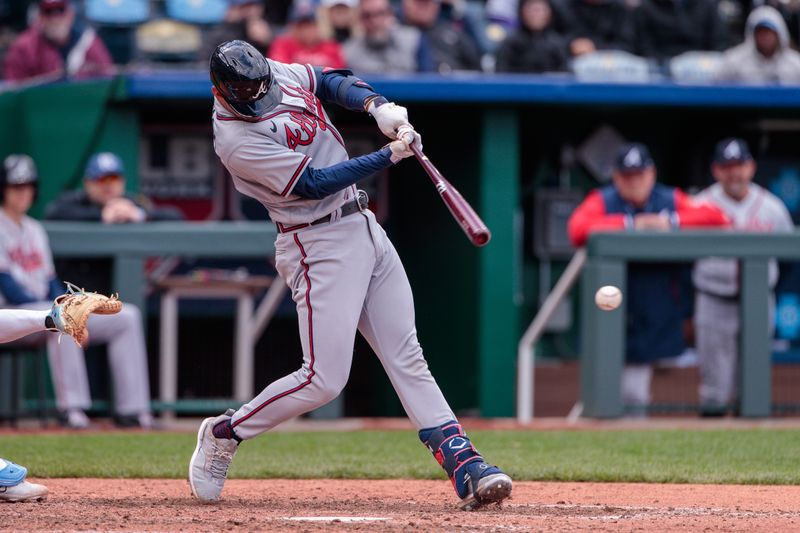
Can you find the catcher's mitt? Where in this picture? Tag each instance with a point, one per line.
(71, 311)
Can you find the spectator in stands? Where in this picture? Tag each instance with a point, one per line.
(28, 281)
(667, 28)
(658, 295)
(750, 208)
(102, 199)
(765, 56)
(57, 47)
(534, 47)
(591, 25)
(451, 47)
(339, 18)
(244, 20)
(789, 10)
(303, 41)
(385, 45)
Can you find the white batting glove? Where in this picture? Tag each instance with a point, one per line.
(410, 136)
(400, 150)
(389, 117)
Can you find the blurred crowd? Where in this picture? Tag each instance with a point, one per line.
(632, 40)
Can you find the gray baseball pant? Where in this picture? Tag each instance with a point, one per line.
(717, 337)
(346, 275)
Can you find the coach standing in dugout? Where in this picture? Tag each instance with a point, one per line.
(658, 295)
(750, 208)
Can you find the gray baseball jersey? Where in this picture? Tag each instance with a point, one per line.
(345, 275)
(761, 211)
(266, 158)
(25, 254)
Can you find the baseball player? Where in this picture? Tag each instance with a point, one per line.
(750, 208)
(28, 282)
(279, 145)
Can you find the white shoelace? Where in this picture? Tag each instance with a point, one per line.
(220, 460)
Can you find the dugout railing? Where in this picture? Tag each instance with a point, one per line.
(603, 333)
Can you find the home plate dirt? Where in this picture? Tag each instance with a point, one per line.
(401, 505)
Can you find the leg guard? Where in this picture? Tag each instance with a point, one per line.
(474, 481)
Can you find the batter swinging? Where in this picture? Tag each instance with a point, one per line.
(280, 147)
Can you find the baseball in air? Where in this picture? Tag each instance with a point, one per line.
(608, 298)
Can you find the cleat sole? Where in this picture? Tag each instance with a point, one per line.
(491, 489)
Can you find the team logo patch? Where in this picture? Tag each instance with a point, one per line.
(458, 443)
(302, 128)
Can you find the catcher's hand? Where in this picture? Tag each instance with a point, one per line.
(71, 311)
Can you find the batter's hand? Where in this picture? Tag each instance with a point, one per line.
(400, 150)
(389, 117)
(410, 136)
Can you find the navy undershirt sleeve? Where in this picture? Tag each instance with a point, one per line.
(56, 288)
(341, 87)
(317, 183)
(13, 291)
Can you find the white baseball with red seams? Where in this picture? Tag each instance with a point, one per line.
(344, 275)
(608, 298)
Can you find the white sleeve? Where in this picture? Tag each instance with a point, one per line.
(783, 220)
(268, 164)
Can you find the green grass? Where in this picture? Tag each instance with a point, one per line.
(710, 456)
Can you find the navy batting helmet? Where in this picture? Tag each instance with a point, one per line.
(244, 78)
(17, 169)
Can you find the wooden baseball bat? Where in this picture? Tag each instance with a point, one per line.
(467, 218)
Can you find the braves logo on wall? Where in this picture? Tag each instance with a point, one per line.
(302, 128)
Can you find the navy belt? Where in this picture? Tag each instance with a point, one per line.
(356, 205)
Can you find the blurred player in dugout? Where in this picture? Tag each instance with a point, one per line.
(750, 207)
(102, 199)
(28, 281)
(658, 295)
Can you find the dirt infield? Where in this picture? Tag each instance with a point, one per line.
(402, 505)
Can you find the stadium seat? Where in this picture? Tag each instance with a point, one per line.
(197, 11)
(115, 21)
(695, 67)
(611, 66)
(117, 12)
(167, 41)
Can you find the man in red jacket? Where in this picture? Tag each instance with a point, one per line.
(55, 47)
(303, 41)
(659, 295)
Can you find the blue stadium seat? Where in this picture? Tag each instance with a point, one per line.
(117, 12)
(613, 66)
(197, 11)
(695, 67)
